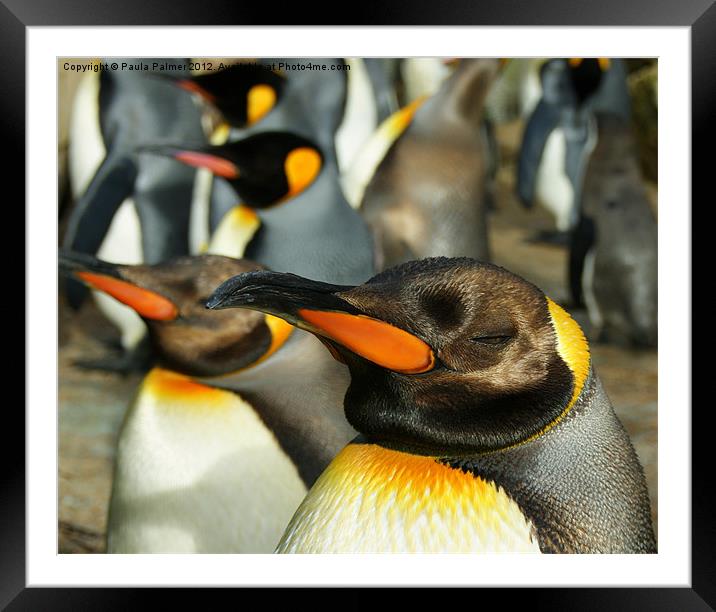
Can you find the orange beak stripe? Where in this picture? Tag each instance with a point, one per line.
(193, 87)
(146, 303)
(218, 165)
(374, 340)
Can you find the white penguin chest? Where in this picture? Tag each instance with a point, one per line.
(371, 499)
(198, 471)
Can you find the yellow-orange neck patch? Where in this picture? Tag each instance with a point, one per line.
(572, 347)
(383, 344)
(372, 499)
(147, 304)
(302, 165)
(173, 387)
(397, 123)
(280, 331)
(259, 101)
(234, 232)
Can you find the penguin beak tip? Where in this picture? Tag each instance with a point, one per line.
(215, 302)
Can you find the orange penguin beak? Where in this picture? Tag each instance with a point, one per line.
(106, 277)
(318, 308)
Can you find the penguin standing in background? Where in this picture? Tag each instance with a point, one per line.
(200, 468)
(269, 95)
(613, 249)
(339, 106)
(276, 94)
(483, 425)
(558, 139)
(129, 209)
(422, 181)
(293, 191)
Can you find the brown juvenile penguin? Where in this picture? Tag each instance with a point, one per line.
(483, 424)
(224, 438)
(422, 182)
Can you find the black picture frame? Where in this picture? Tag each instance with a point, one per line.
(698, 15)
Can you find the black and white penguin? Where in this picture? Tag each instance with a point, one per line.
(483, 425)
(558, 138)
(225, 436)
(306, 225)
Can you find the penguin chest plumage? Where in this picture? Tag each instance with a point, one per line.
(553, 187)
(371, 499)
(198, 471)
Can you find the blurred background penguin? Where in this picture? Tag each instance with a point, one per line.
(334, 169)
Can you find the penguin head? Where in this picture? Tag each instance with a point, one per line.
(447, 357)
(586, 75)
(243, 93)
(572, 82)
(264, 169)
(170, 297)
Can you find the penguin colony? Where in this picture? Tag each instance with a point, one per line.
(299, 261)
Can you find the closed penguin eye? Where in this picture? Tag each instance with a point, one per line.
(491, 340)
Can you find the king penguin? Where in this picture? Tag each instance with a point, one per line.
(225, 436)
(558, 138)
(292, 188)
(129, 209)
(422, 181)
(338, 106)
(483, 424)
(276, 94)
(614, 247)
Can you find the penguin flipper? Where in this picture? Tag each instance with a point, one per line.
(110, 186)
(87, 227)
(541, 124)
(164, 217)
(582, 239)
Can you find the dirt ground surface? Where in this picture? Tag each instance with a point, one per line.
(92, 404)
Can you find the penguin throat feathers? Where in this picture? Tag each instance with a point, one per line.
(280, 332)
(416, 504)
(260, 100)
(572, 347)
(146, 303)
(302, 166)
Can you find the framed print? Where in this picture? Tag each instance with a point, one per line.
(41, 531)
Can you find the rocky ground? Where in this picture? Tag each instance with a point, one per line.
(92, 404)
